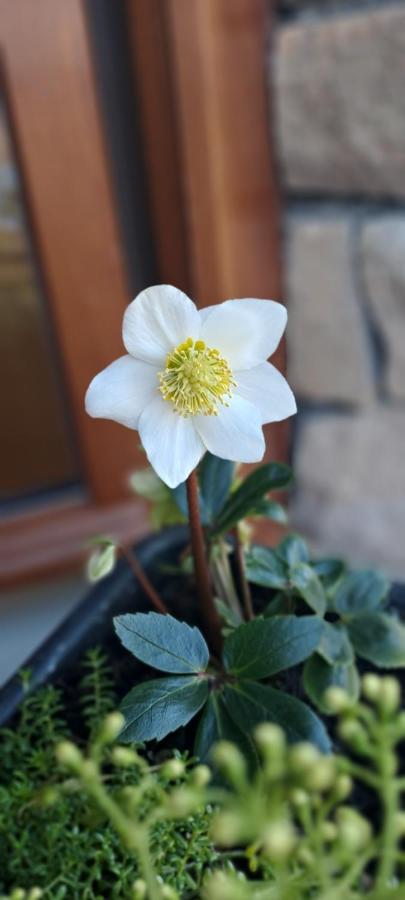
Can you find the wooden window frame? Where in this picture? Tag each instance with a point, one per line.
(214, 200)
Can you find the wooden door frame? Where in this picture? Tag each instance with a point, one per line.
(57, 127)
(200, 73)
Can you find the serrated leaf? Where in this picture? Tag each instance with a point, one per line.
(379, 638)
(307, 584)
(215, 479)
(155, 708)
(361, 591)
(263, 647)
(241, 503)
(102, 561)
(318, 676)
(249, 704)
(265, 568)
(163, 642)
(335, 646)
(216, 725)
(293, 549)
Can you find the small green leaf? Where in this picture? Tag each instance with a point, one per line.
(249, 704)
(269, 509)
(155, 708)
(278, 605)
(216, 725)
(242, 502)
(215, 478)
(329, 571)
(361, 591)
(264, 567)
(379, 638)
(231, 617)
(307, 584)
(163, 642)
(293, 550)
(102, 560)
(319, 676)
(335, 645)
(263, 647)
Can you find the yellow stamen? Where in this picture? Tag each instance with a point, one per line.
(196, 379)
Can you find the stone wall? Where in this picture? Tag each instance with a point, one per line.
(338, 79)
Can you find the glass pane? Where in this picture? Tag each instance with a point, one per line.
(37, 450)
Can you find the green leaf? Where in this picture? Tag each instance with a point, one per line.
(242, 502)
(319, 676)
(293, 550)
(215, 477)
(269, 509)
(263, 647)
(264, 567)
(329, 571)
(216, 725)
(276, 606)
(379, 638)
(360, 591)
(102, 560)
(155, 708)
(231, 617)
(307, 584)
(163, 642)
(249, 704)
(335, 645)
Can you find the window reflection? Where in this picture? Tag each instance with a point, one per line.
(36, 445)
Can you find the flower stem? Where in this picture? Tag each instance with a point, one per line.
(143, 579)
(209, 614)
(244, 584)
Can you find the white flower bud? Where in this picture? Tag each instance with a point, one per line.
(354, 832)
(201, 776)
(343, 787)
(230, 761)
(111, 727)
(371, 685)
(35, 893)
(303, 757)
(173, 769)
(390, 695)
(139, 889)
(124, 757)
(337, 700)
(278, 840)
(227, 829)
(68, 755)
(168, 893)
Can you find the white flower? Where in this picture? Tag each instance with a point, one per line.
(195, 380)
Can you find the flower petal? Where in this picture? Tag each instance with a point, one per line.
(267, 389)
(235, 433)
(122, 390)
(172, 444)
(245, 332)
(157, 321)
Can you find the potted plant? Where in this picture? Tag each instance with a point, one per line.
(240, 634)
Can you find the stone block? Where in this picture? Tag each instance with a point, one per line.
(328, 354)
(350, 478)
(340, 102)
(383, 258)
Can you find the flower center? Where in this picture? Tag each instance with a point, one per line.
(196, 379)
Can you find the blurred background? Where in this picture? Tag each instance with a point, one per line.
(232, 148)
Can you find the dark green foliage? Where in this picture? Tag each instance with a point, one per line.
(266, 646)
(245, 500)
(163, 642)
(253, 650)
(351, 607)
(155, 708)
(53, 838)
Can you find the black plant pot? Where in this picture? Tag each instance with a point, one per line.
(90, 623)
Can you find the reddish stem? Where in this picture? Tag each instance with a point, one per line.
(209, 614)
(143, 579)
